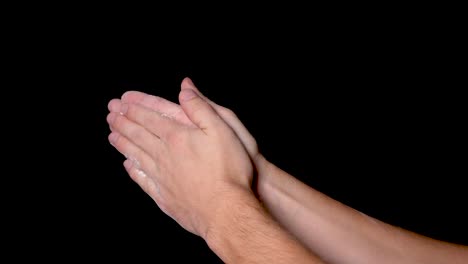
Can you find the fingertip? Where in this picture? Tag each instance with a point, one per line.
(111, 118)
(114, 105)
(113, 137)
(187, 83)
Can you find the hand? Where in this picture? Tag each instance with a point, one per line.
(175, 112)
(190, 169)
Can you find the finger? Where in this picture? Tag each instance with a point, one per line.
(136, 134)
(140, 158)
(113, 106)
(199, 111)
(151, 120)
(157, 104)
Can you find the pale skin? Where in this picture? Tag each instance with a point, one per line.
(329, 229)
(200, 175)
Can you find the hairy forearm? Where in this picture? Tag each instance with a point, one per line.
(245, 233)
(340, 234)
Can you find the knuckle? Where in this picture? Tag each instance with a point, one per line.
(132, 111)
(139, 115)
(119, 122)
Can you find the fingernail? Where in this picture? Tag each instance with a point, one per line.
(113, 137)
(123, 109)
(141, 173)
(186, 95)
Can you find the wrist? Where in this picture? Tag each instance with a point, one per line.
(224, 221)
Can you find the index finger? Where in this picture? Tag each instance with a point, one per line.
(152, 120)
(158, 104)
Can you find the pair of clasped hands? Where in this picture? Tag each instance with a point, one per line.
(192, 158)
(196, 160)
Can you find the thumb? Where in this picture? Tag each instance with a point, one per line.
(187, 83)
(198, 110)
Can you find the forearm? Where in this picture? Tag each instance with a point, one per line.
(245, 233)
(340, 234)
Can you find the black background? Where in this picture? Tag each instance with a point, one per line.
(371, 119)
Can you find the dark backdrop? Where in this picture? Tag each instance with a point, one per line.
(374, 122)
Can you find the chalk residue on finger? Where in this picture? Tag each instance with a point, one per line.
(135, 162)
(141, 173)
